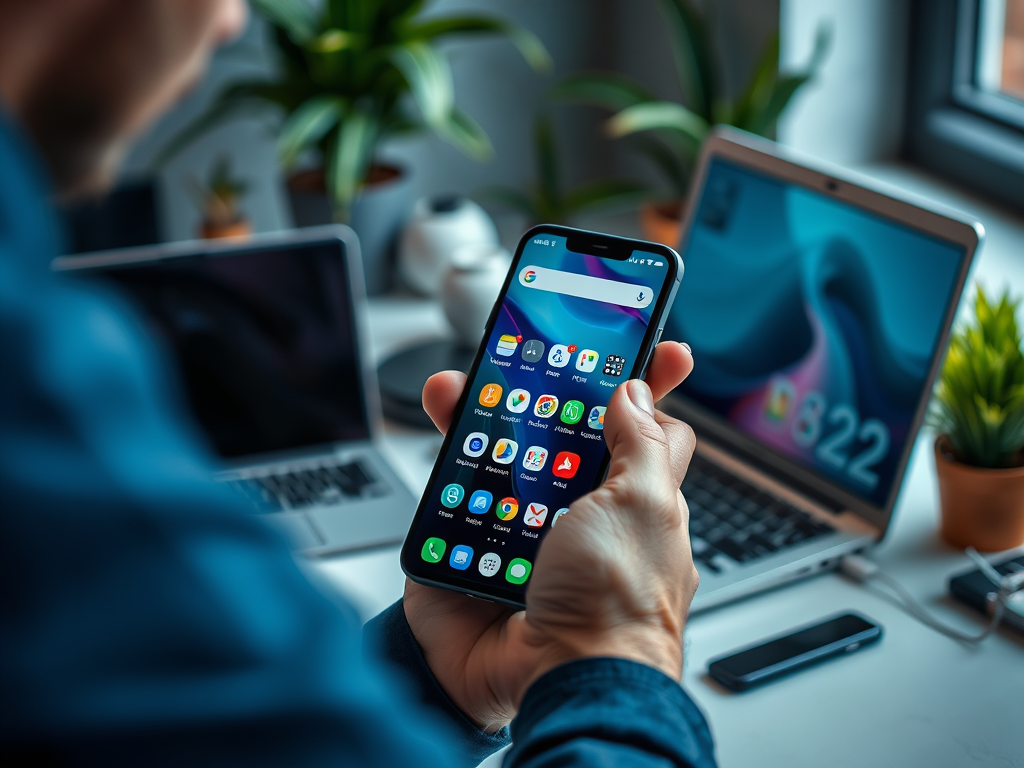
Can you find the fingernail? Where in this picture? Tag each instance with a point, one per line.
(640, 395)
(685, 346)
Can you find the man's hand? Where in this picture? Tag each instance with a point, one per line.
(615, 577)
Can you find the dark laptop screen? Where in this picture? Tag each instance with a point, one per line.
(813, 323)
(264, 341)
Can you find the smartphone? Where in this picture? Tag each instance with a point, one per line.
(771, 659)
(579, 314)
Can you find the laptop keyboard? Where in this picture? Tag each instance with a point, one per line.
(733, 522)
(324, 484)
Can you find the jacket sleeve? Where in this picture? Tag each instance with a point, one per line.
(148, 617)
(609, 712)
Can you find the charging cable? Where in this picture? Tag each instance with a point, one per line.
(861, 569)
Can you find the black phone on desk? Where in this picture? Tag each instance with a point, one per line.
(579, 314)
(973, 588)
(779, 656)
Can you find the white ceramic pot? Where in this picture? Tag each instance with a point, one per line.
(438, 228)
(470, 288)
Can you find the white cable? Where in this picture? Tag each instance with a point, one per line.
(861, 569)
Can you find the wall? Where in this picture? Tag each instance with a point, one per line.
(852, 113)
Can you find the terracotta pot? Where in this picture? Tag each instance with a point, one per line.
(377, 216)
(982, 508)
(662, 222)
(241, 227)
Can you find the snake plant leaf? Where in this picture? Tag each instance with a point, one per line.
(549, 188)
(528, 44)
(759, 89)
(692, 50)
(293, 16)
(659, 115)
(762, 119)
(606, 194)
(349, 156)
(306, 126)
(465, 133)
(430, 79)
(608, 90)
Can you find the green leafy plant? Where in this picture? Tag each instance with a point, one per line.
(346, 70)
(979, 399)
(545, 201)
(672, 133)
(218, 197)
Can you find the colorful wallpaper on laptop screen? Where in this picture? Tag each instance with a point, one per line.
(812, 323)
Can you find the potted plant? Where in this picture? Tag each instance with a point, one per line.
(978, 413)
(670, 134)
(348, 71)
(546, 202)
(218, 202)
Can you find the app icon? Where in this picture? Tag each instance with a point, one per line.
(461, 557)
(518, 570)
(781, 395)
(490, 395)
(557, 515)
(452, 495)
(533, 351)
(566, 464)
(546, 406)
(476, 444)
(535, 515)
(489, 564)
(507, 345)
(505, 451)
(507, 508)
(518, 400)
(559, 356)
(586, 360)
(529, 276)
(596, 418)
(613, 365)
(535, 458)
(572, 411)
(433, 550)
(480, 502)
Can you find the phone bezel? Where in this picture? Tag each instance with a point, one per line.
(597, 240)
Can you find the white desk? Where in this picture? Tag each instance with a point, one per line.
(915, 699)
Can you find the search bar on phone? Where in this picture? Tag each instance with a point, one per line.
(586, 287)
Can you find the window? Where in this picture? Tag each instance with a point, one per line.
(965, 110)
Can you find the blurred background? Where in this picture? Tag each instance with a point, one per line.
(938, 85)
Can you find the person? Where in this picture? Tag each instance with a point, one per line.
(150, 619)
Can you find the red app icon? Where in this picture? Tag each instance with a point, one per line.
(566, 464)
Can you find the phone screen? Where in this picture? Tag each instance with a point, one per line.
(528, 440)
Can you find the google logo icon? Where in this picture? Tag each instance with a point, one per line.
(530, 276)
(507, 508)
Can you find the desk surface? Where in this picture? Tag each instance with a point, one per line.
(915, 699)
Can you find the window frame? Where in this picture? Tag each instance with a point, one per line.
(954, 128)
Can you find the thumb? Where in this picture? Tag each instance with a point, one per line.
(635, 440)
(646, 446)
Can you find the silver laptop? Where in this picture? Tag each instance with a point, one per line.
(267, 334)
(818, 311)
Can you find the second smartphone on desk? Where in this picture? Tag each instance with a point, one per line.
(579, 314)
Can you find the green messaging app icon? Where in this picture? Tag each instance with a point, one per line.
(572, 412)
(518, 570)
(433, 550)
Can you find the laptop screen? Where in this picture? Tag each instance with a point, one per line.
(813, 323)
(264, 341)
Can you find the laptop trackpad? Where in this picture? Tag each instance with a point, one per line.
(296, 528)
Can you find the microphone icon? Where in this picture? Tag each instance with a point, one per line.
(640, 296)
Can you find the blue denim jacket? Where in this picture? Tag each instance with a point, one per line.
(150, 619)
